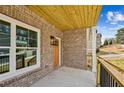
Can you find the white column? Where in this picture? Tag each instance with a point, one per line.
(89, 40)
(94, 49)
(13, 48)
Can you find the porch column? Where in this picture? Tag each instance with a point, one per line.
(93, 49)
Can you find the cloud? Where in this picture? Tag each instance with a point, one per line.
(120, 26)
(115, 28)
(110, 15)
(101, 27)
(113, 23)
(115, 17)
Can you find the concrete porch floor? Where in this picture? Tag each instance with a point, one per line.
(67, 77)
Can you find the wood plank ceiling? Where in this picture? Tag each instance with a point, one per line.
(69, 17)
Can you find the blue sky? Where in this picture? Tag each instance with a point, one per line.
(110, 20)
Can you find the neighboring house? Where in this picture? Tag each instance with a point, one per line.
(35, 40)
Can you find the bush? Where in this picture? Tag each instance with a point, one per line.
(106, 42)
(97, 50)
(101, 46)
(110, 42)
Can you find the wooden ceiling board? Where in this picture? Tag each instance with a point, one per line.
(68, 17)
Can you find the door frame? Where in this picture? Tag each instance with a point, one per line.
(59, 39)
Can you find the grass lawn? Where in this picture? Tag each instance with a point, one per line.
(117, 49)
(104, 53)
(118, 63)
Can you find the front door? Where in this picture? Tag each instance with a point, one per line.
(56, 56)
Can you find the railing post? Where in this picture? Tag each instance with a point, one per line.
(98, 74)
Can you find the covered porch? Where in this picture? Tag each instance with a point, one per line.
(66, 37)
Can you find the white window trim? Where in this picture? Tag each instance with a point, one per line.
(13, 72)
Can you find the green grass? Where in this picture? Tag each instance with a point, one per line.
(102, 53)
(122, 51)
(118, 63)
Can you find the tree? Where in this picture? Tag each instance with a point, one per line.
(110, 42)
(106, 42)
(120, 36)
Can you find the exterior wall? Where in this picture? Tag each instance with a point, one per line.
(74, 48)
(89, 49)
(23, 14)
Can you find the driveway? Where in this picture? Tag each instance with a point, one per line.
(112, 55)
(67, 77)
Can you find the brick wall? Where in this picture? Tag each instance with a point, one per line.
(23, 14)
(74, 48)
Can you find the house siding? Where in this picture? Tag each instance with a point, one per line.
(23, 14)
(75, 48)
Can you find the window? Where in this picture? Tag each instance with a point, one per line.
(19, 47)
(26, 47)
(4, 46)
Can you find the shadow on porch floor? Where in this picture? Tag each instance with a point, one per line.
(67, 77)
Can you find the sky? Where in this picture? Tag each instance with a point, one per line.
(110, 20)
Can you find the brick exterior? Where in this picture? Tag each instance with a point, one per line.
(23, 14)
(75, 48)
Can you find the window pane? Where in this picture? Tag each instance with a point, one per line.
(25, 58)
(21, 37)
(32, 34)
(32, 43)
(25, 37)
(32, 39)
(4, 33)
(4, 60)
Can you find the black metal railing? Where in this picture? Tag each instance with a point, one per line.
(106, 80)
(107, 75)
